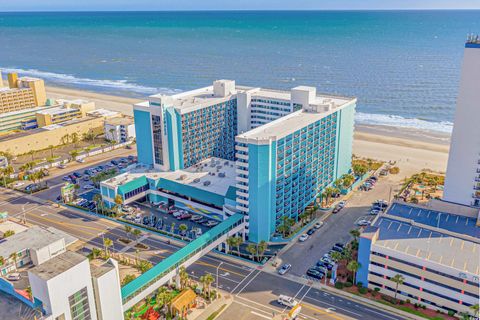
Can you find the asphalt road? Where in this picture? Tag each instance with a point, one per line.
(252, 287)
(303, 255)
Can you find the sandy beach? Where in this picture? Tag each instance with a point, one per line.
(413, 150)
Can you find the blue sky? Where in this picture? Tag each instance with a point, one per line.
(54, 5)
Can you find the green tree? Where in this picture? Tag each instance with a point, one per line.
(285, 226)
(184, 278)
(144, 266)
(398, 279)
(355, 233)
(329, 191)
(2, 261)
(6, 172)
(336, 256)
(128, 229)
(172, 227)
(183, 227)
(207, 281)
(348, 180)
(359, 170)
(99, 205)
(65, 139)
(475, 310)
(74, 154)
(14, 256)
(75, 139)
(252, 249)
(261, 248)
(128, 278)
(107, 243)
(353, 267)
(136, 233)
(118, 203)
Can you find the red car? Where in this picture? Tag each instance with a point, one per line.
(184, 216)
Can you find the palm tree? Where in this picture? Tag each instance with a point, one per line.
(50, 147)
(75, 139)
(184, 278)
(112, 138)
(231, 241)
(348, 180)
(252, 249)
(107, 243)
(353, 267)
(207, 281)
(355, 233)
(285, 226)
(6, 172)
(31, 153)
(2, 261)
(136, 233)
(398, 279)
(14, 257)
(74, 154)
(65, 139)
(328, 194)
(475, 309)
(261, 248)
(97, 198)
(183, 227)
(128, 229)
(172, 227)
(119, 202)
(336, 256)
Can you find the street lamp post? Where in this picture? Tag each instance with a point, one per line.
(218, 267)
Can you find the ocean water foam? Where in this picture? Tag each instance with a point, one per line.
(120, 85)
(398, 121)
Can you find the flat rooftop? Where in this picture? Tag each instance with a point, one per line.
(33, 238)
(429, 245)
(125, 121)
(214, 175)
(451, 222)
(57, 110)
(57, 265)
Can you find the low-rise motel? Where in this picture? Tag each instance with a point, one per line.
(225, 149)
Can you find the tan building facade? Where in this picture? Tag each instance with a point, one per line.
(41, 138)
(22, 93)
(67, 110)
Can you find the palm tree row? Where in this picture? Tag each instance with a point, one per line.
(257, 250)
(235, 242)
(5, 173)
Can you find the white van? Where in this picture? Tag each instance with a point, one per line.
(287, 301)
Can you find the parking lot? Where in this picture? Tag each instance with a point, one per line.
(153, 216)
(336, 228)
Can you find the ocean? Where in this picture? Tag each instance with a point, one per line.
(403, 66)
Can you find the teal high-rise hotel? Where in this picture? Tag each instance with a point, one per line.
(225, 149)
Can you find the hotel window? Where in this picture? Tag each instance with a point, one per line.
(79, 306)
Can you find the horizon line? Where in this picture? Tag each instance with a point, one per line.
(245, 10)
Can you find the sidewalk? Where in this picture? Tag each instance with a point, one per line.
(203, 314)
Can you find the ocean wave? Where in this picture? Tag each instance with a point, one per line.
(398, 121)
(68, 79)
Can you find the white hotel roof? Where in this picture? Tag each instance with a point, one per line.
(194, 176)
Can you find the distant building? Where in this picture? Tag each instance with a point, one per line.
(119, 129)
(265, 153)
(67, 110)
(33, 245)
(69, 288)
(22, 93)
(436, 249)
(462, 182)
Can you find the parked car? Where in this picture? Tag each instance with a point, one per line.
(81, 160)
(287, 301)
(374, 212)
(364, 222)
(337, 248)
(196, 217)
(13, 276)
(77, 174)
(315, 273)
(324, 264)
(31, 187)
(67, 178)
(303, 237)
(61, 166)
(336, 210)
(185, 215)
(342, 204)
(114, 162)
(284, 268)
(311, 231)
(88, 187)
(318, 225)
(177, 214)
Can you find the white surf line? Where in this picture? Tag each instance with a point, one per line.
(246, 285)
(248, 275)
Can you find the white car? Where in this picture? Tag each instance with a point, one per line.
(88, 187)
(342, 204)
(18, 184)
(364, 222)
(13, 276)
(178, 213)
(287, 301)
(61, 166)
(318, 225)
(303, 237)
(81, 160)
(374, 212)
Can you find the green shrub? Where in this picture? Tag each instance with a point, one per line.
(362, 290)
(388, 298)
(377, 289)
(360, 284)
(451, 313)
(339, 285)
(348, 284)
(407, 301)
(401, 302)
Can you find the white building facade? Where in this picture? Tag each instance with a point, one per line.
(462, 184)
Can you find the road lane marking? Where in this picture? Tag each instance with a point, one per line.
(260, 315)
(333, 306)
(246, 285)
(322, 312)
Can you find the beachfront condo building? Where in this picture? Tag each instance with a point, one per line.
(64, 110)
(435, 250)
(22, 93)
(225, 149)
(462, 183)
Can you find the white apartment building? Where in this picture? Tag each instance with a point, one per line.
(462, 184)
(119, 129)
(69, 288)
